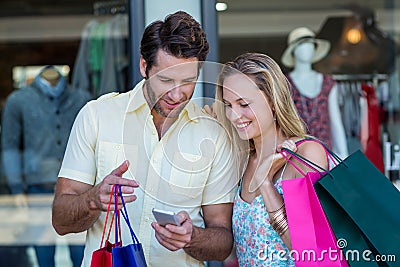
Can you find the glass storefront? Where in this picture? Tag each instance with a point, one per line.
(81, 47)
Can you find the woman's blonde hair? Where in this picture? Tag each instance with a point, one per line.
(268, 77)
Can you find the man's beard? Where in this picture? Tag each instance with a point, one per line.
(155, 103)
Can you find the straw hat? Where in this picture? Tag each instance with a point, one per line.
(301, 35)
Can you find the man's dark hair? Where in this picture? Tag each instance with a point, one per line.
(179, 35)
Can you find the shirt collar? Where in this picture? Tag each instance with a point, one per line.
(136, 98)
(137, 101)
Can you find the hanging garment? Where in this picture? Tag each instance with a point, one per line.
(349, 94)
(101, 65)
(373, 149)
(314, 111)
(81, 71)
(116, 62)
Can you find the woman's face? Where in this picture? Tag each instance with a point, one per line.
(246, 107)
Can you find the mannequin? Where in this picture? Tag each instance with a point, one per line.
(51, 75)
(317, 99)
(36, 122)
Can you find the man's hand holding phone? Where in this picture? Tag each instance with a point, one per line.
(164, 217)
(177, 230)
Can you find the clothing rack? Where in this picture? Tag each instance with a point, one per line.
(374, 77)
(110, 7)
(360, 77)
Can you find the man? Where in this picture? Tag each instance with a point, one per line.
(174, 157)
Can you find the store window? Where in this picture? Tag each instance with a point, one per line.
(55, 58)
(363, 55)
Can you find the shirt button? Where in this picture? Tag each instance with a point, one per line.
(118, 147)
(153, 132)
(147, 219)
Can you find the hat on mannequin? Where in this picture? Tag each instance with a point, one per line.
(302, 35)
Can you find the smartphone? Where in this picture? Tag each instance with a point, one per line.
(164, 217)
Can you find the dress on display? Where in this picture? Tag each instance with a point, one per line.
(315, 111)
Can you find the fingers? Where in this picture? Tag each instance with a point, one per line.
(115, 177)
(106, 188)
(183, 216)
(172, 237)
(289, 144)
(210, 110)
(186, 224)
(175, 237)
(121, 169)
(108, 200)
(164, 242)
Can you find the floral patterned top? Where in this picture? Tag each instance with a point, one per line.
(257, 244)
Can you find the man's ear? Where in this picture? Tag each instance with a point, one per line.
(143, 66)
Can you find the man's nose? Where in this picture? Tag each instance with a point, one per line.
(176, 94)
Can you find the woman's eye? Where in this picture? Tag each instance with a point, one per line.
(227, 105)
(244, 105)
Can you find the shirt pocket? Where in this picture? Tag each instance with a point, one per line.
(111, 155)
(189, 174)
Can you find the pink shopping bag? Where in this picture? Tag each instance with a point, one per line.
(313, 241)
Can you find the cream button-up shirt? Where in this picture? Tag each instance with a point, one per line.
(190, 166)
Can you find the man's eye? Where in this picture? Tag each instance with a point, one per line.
(244, 105)
(165, 80)
(227, 105)
(189, 81)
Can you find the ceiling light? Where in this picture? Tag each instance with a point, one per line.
(221, 6)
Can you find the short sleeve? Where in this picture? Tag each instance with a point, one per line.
(79, 161)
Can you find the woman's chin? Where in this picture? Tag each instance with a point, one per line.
(244, 136)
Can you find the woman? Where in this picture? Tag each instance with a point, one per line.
(254, 103)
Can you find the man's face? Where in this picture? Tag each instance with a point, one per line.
(170, 84)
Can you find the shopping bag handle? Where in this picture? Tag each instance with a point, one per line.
(124, 213)
(117, 216)
(335, 158)
(302, 160)
(105, 223)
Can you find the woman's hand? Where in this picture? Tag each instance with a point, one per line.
(269, 166)
(210, 110)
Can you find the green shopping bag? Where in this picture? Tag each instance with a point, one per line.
(363, 209)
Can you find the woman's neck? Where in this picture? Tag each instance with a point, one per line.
(266, 144)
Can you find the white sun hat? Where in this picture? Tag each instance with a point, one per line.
(301, 35)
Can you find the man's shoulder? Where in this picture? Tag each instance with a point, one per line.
(204, 120)
(110, 98)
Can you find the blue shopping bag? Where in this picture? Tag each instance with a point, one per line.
(131, 255)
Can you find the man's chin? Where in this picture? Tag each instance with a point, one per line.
(174, 113)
